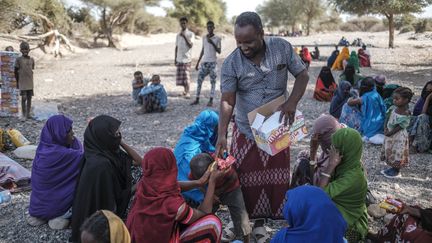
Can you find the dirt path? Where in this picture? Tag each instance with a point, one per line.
(99, 82)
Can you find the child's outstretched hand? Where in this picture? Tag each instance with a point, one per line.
(205, 178)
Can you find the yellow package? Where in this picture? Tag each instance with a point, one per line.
(17, 138)
(387, 206)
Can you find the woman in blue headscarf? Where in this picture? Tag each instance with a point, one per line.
(196, 138)
(372, 112)
(341, 96)
(312, 217)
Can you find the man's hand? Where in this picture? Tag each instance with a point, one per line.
(288, 110)
(221, 146)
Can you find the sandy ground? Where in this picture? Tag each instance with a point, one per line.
(98, 81)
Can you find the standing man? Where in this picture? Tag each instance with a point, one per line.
(252, 75)
(211, 46)
(183, 56)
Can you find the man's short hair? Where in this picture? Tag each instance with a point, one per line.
(249, 18)
(184, 19)
(24, 45)
(137, 73)
(210, 23)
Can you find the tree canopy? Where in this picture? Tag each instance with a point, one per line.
(199, 12)
(388, 8)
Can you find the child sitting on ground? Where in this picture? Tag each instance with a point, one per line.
(155, 98)
(396, 144)
(24, 66)
(227, 192)
(138, 83)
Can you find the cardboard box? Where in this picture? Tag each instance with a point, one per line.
(270, 135)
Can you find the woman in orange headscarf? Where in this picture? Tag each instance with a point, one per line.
(344, 55)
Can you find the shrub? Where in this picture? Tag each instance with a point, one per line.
(378, 27)
(406, 29)
(423, 25)
(349, 27)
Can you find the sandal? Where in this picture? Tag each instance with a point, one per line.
(260, 234)
(228, 234)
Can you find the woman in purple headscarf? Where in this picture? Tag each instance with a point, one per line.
(54, 174)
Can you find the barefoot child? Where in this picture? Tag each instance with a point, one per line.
(154, 97)
(396, 144)
(228, 193)
(137, 84)
(24, 75)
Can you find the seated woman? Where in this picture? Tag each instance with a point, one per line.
(159, 212)
(364, 58)
(341, 58)
(306, 56)
(344, 181)
(412, 224)
(354, 61)
(332, 58)
(421, 130)
(196, 138)
(104, 227)
(325, 85)
(309, 165)
(105, 177)
(54, 174)
(366, 113)
(340, 98)
(350, 75)
(308, 211)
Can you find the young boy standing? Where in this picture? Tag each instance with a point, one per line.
(211, 46)
(24, 75)
(155, 98)
(183, 56)
(137, 84)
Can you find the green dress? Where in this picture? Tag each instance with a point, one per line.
(348, 185)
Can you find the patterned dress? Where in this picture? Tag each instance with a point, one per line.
(396, 147)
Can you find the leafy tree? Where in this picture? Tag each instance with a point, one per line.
(199, 12)
(114, 13)
(282, 12)
(313, 9)
(388, 8)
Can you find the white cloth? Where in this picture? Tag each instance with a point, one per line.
(209, 50)
(184, 52)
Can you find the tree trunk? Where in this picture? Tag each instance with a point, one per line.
(293, 27)
(107, 30)
(308, 25)
(390, 18)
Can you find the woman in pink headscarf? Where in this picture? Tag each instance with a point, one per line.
(308, 164)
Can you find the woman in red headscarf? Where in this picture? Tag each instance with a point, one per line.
(364, 58)
(159, 213)
(306, 56)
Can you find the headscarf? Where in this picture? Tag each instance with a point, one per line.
(343, 55)
(326, 77)
(196, 138)
(363, 58)
(306, 56)
(332, 58)
(157, 199)
(55, 170)
(354, 61)
(105, 176)
(420, 103)
(373, 111)
(312, 217)
(348, 185)
(325, 126)
(339, 99)
(118, 231)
